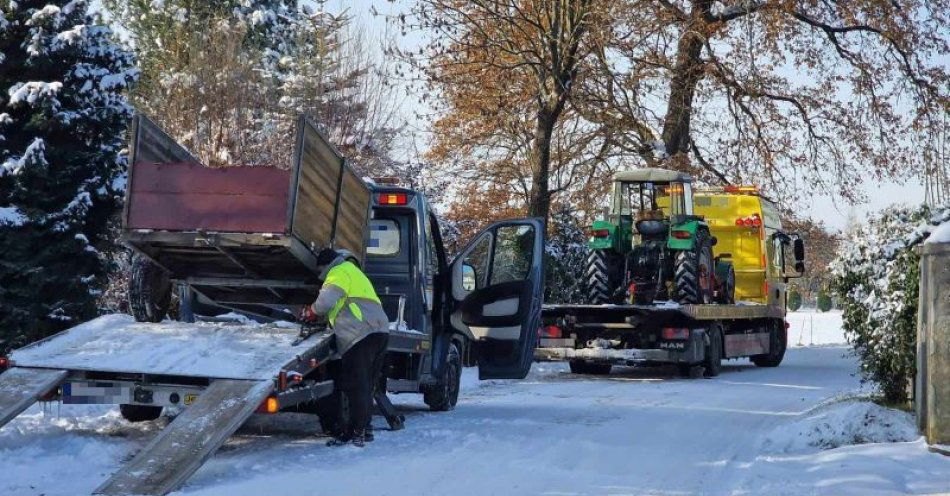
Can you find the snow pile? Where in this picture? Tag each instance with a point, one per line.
(842, 424)
(941, 234)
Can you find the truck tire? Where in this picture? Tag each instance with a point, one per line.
(778, 342)
(445, 395)
(712, 362)
(140, 413)
(150, 291)
(591, 368)
(600, 288)
(693, 272)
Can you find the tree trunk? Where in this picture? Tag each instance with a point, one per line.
(540, 197)
(686, 75)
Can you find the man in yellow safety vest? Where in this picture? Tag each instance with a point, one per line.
(350, 305)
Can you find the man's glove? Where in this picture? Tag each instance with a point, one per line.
(308, 316)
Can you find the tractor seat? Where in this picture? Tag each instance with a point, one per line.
(651, 227)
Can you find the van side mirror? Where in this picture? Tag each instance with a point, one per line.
(468, 277)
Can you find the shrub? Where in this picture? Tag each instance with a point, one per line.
(794, 300)
(823, 302)
(875, 278)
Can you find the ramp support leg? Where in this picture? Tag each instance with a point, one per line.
(385, 407)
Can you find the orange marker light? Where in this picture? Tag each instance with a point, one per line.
(269, 405)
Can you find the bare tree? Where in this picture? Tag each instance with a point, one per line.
(791, 94)
(506, 70)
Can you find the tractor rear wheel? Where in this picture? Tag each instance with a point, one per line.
(600, 287)
(693, 272)
(150, 291)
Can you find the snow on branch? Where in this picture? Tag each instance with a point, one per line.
(32, 91)
(34, 155)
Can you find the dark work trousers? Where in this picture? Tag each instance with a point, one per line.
(360, 370)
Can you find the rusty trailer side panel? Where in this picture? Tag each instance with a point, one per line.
(187, 196)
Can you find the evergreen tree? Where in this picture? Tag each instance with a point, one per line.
(62, 126)
(228, 79)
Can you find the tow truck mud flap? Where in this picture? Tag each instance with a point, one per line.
(20, 388)
(178, 451)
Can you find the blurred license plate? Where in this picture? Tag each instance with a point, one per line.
(91, 394)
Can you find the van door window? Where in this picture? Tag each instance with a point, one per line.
(475, 265)
(514, 246)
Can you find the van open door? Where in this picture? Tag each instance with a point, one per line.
(496, 295)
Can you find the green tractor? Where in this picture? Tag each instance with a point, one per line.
(650, 247)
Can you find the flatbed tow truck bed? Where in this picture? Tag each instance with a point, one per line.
(219, 373)
(664, 332)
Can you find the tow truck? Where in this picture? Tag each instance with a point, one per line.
(649, 310)
(182, 219)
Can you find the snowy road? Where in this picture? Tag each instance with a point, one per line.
(638, 431)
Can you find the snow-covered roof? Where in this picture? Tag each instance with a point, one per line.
(652, 174)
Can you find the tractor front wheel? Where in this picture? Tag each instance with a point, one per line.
(597, 275)
(693, 272)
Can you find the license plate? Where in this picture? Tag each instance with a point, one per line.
(84, 393)
(190, 398)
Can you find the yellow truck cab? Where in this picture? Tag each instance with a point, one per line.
(748, 230)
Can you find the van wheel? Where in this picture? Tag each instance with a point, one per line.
(150, 291)
(444, 396)
(140, 413)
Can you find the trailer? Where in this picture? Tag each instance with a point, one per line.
(217, 375)
(695, 338)
(241, 237)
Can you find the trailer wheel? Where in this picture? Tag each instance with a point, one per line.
(444, 396)
(778, 342)
(591, 368)
(713, 360)
(150, 291)
(597, 275)
(140, 413)
(693, 272)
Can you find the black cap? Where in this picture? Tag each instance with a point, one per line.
(326, 256)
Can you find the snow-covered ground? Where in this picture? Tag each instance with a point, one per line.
(788, 430)
(809, 327)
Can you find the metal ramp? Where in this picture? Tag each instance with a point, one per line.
(166, 462)
(21, 387)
